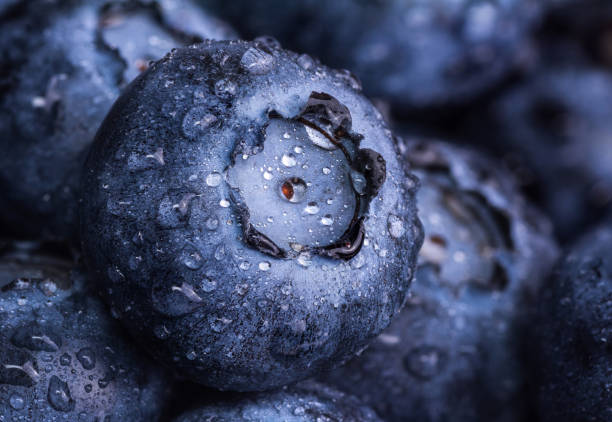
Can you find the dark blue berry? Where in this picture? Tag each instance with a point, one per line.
(574, 331)
(304, 402)
(259, 250)
(63, 63)
(557, 124)
(62, 357)
(453, 352)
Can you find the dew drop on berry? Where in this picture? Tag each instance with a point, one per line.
(59, 396)
(17, 402)
(213, 179)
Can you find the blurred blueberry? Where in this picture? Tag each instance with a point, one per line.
(454, 351)
(62, 64)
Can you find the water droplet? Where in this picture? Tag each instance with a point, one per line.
(298, 150)
(326, 170)
(192, 258)
(327, 220)
(395, 225)
(425, 362)
(218, 324)
(293, 189)
(288, 160)
(267, 175)
(59, 396)
(305, 61)
(219, 253)
(214, 179)
(197, 121)
(244, 265)
(319, 139)
(88, 388)
(87, 358)
(208, 285)
(224, 203)
(257, 61)
(304, 259)
(264, 266)
(65, 359)
(359, 182)
(311, 208)
(212, 223)
(17, 402)
(191, 355)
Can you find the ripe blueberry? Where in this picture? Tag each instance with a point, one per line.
(574, 331)
(62, 357)
(414, 54)
(276, 234)
(305, 402)
(62, 64)
(453, 352)
(559, 123)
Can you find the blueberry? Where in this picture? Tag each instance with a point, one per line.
(277, 235)
(305, 402)
(63, 63)
(415, 54)
(573, 333)
(453, 352)
(61, 355)
(558, 122)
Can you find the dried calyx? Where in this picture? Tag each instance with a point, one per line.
(305, 187)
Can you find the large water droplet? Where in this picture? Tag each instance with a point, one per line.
(319, 139)
(65, 359)
(212, 223)
(17, 402)
(257, 61)
(59, 396)
(87, 357)
(359, 182)
(192, 258)
(264, 266)
(214, 179)
(36, 338)
(293, 189)
(311, 208)
(327, 220)
(288, 160)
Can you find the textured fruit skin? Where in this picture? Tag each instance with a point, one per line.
(62, 356)
(307, 401)
(453, 353)
(563, 139)
(61, 70)
(574, 328)
(166, 240)
(415, 54)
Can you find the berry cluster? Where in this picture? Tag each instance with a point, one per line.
(196, 227)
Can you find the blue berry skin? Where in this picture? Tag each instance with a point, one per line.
(307, 401)
(574, 330)
(273, 234)
(416, 54)
(62, 357)
(453, 352)
(558, 122)
(63, 64)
